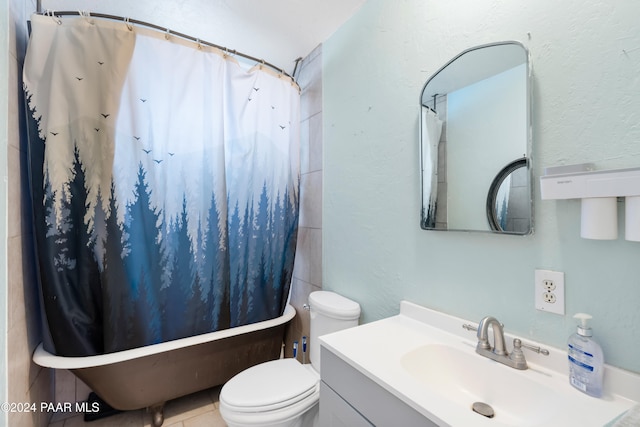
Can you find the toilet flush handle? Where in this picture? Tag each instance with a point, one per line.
(306, 307)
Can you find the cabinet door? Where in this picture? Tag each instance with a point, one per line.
(336, 412)
(366, 397)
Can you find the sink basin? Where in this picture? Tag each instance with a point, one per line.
(465, 377)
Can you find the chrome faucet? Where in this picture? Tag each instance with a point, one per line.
(498, 352)
(483, 347)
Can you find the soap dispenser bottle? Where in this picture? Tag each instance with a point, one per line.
(586, 361)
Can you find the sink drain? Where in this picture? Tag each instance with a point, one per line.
(483, 409)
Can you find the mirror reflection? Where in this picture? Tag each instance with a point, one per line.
(507, 202)
(475, 142)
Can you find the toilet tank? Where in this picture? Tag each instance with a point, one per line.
(329, 312)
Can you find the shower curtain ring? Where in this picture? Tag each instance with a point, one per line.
(167, 34)
(199, 44)
(86, 15)
(53, 16)
(128, 24)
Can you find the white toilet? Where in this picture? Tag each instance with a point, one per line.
(284, 392)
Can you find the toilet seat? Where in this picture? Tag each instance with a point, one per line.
(271, 386)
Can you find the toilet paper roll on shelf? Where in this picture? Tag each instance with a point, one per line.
(599, 191)
(632, 218)
(599, 218)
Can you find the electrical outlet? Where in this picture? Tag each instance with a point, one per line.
(549, 291)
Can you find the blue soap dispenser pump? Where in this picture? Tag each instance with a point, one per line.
(586, 360)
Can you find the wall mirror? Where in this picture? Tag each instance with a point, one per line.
(475, 142)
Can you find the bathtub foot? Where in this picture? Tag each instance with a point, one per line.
(157, 414)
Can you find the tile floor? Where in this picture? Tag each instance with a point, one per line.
(196, 410)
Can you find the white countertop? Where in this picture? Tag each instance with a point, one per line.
(376, 349)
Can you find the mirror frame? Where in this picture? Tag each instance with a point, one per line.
(527, 159)
(494, 188)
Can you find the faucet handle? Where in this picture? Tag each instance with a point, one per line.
(533, 348)
(517, 345)
(469, 327)
(517, 356)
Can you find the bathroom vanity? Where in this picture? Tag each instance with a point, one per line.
(420, 368)
(350, 398)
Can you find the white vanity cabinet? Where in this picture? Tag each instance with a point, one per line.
(350, 399)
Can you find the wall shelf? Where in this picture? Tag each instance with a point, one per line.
(599, 192)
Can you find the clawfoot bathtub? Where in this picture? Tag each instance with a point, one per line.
(147, 377)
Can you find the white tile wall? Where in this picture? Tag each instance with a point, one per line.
(26, 381)
(307, 271)
(311, 200)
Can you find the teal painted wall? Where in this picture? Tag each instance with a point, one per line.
(586, 108)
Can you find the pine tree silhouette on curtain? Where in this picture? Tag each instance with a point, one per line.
(181, 280)
(144, 261)
(261, 230)
(118, 300)
(87, 274)
(216, 268)
(70, 242)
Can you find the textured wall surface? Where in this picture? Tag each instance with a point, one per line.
(25, 381)
(4, 76)
(586, 108)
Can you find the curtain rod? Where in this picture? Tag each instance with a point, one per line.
(170, 32)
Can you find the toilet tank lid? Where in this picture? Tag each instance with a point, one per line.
(333, 305)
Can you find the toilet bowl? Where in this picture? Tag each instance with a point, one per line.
(284, 392)
(276, 393)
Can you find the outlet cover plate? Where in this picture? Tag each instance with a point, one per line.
(542, 278)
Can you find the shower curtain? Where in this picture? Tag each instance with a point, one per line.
(164, 179)
(431, 131)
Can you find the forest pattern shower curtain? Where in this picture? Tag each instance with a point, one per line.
(164, 179)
